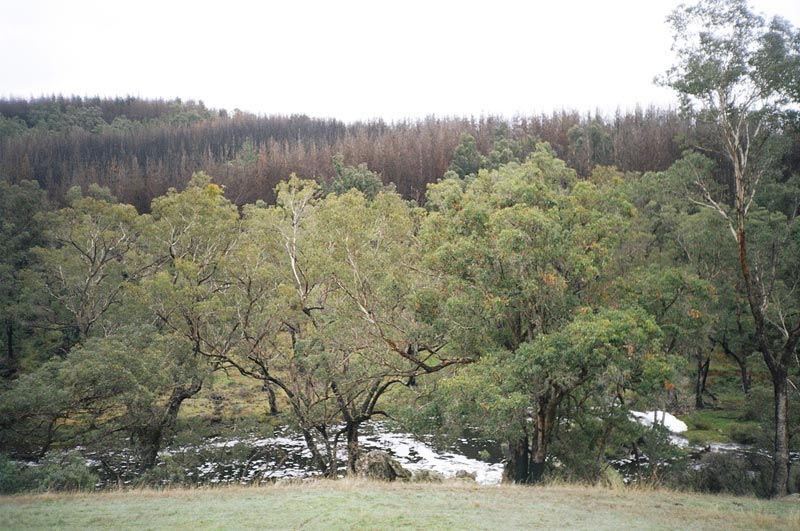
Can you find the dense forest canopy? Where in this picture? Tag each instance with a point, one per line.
(537, 277)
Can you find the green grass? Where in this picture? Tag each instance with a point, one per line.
(718, 425)
(727, 419)
(229, 405)
(366, 505)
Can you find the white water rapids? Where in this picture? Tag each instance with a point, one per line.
(286, 456)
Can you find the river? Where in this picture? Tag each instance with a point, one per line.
(284, 456)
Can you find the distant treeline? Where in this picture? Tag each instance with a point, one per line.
(139, 148)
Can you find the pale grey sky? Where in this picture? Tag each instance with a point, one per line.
(348, 59)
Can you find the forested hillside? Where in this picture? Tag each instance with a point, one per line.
(533, 280)
(138, 148)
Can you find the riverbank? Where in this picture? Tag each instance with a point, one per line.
(356, 504)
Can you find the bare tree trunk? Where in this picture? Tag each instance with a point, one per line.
(316, 457)
(9, 366)
(776, 362)
(353, 450)
(273, 403)
(745, 375)
(545, 421)
(700, 384)
(740, 359)
(516, 469)
(780, 478)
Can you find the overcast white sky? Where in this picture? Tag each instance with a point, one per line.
(348, 59)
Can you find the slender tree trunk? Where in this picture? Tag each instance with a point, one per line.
(9, 367)
(316, 457)
(780, 478)
(745, 375)
(777, 364)
(353, 450)
(740, 359)
(10, 342)
(273, 402)
(297, 407)
(700, 384)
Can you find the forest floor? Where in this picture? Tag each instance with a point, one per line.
(356, 504)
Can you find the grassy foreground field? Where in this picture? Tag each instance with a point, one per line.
(367, 505)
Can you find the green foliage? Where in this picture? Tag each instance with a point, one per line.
(467, 160)
(727, 75)
(329, 290)
(80, 117)
(95, 191)
(30, 410)
(10, 126)
(57, 471)
(727, 473)
(354, 178)
(564, 302)
(11, 478)
(128, 293)
(590, 145)
(86, 270)
(527, 253)
(60, 472)
(722, 45)
(246, 156)
(21, 229)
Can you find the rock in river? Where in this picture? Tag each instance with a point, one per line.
(378, 464)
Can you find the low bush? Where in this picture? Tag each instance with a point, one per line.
(729, 473)
(57, 471)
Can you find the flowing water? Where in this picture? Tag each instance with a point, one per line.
(285, 456)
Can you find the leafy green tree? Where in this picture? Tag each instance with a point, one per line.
(589, 145)
(246, 156)
(88, 118)
(133, 383)
(33, 408)
(467, 160)
(527, 252)
(21, 229)
(678, 276)
(131, 293)
(326, 294)
(738, 74)
(681, 304)
(86, 269)
(359, 178)
(504, 149)
(190, 234)
(10, 126)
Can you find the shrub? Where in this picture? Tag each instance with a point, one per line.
(731, 473)
(745, 433)
(57, 471)
(12, 477)
(63, 471)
